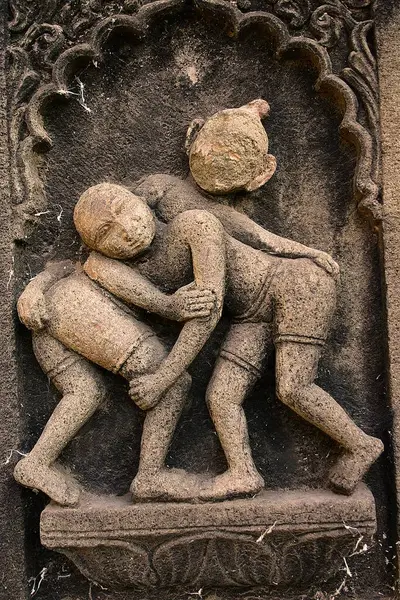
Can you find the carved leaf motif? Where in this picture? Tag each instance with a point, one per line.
(118, 564)
(362, 76)
(44, 42)
(22, 83)
(22, 79)
(358, 3)
(296, 12)
(77, 16)
(74, 16)
(328, 20)
(214, 559)
(26, 12)
(217, 559)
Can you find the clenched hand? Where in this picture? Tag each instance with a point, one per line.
(192, 303)
(146, 390)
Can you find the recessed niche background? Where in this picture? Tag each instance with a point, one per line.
(137, 106)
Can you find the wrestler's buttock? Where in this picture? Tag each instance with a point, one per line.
(304, 299)
(299, 298)
(85, 319)
(260, 308)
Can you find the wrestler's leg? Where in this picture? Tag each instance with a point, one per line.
(82, 388)
(296, 369)
(160, 424)
(237, 369)
(153, 480)
(229, 386)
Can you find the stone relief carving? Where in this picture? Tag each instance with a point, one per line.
(277, 292)
(43, 56)
(277, 539)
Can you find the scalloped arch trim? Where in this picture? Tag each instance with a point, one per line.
(366, 189)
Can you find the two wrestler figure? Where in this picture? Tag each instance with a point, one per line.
(200, 257)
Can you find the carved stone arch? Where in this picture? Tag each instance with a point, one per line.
(37, 142)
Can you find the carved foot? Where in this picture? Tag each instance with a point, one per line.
(34, 475)
(173, 485)
(352, 466)
(230, 485)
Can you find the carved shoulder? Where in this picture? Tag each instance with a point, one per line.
(197, 225)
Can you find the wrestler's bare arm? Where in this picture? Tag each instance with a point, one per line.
(247, 231)
(171, 196)
(205, 237)
(128, 284)
(243, 228)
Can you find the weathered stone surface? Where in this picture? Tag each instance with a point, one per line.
(388, 40)
(12, 563)
(278, 539)
(230, 152)
(126, 117)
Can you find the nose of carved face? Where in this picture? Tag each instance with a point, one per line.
(139, 236)
(126, 240)
(135, 237)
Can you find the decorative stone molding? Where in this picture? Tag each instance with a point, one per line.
(45, 57)
(282, 540)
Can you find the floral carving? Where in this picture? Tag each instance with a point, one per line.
(295, 12)
(327, 22)
(211, 558)
(77, 16)
(362, 75)
(358, 3)
(116, 564)
(27, 188)
(73, 16)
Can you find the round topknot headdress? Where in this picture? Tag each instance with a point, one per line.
(230, 151)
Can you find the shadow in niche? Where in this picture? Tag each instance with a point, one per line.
(141, 102)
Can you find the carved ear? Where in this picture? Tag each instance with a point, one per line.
(192, 132)
(270, 168)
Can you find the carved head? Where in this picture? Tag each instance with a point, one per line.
(113, 221)
(229, 152)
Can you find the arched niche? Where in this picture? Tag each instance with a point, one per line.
(117, 109)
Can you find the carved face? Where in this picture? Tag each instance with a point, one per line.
(113, 221)
(130, 231)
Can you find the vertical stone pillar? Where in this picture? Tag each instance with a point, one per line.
(12, 562)
(388, 51)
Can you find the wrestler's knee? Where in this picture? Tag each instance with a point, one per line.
(288, 391)
(146, 359)
(216, 400)
(82, 379)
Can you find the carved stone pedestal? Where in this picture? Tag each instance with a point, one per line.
(279, 538)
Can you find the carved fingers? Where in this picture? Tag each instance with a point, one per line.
(146, 390)
(194, 303)
(32, 310)
(326, 262)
